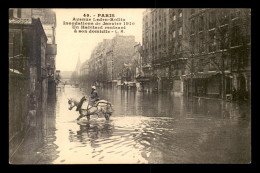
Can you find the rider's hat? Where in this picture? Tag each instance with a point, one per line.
(93, 87)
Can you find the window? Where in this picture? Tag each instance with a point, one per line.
(180, 31)
(201, 65)
(15, 40)
(192, 11)
(212, 41)
(212, 22)
(227, 63)
(180, 13)
(19, 12)
(235, 36)
(212, 66)
(174, 16)
(192, 41)
(179, 47)
(201, 23)
(192, 26)
(201, 43)
(224, 16)
(235, 13)
(11, 13)
(174, 34)
(11, 40)
(224, 38)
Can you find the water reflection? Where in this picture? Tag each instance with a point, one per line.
(91, 131)
(131, 103)
(145, 128)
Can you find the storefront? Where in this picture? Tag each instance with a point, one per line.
(148, 83)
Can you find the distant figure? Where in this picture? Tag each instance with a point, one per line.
(234, 94)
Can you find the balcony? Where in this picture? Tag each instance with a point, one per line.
(18, 65)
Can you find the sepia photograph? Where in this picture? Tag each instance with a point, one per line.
(129, 86)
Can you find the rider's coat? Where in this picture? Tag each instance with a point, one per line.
(93, 97)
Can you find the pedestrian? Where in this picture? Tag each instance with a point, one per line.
(234, 94)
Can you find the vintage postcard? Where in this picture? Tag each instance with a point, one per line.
(129, 86)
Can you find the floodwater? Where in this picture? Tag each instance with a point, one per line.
(144, 128)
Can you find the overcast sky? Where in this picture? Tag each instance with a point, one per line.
(71, 45)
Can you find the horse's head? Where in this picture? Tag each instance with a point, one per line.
(71, 103)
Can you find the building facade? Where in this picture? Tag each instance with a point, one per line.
(221, 42)
(164, 38)
(28, 83)
(48, 21)
(148, 80)
(28, 73)
(204, 52)
(107, 60)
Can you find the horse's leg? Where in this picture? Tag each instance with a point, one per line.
(107, 113)
(107, 116)
(80, 116)
(89, 112)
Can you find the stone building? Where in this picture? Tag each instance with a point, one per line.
(48, 21)
(179, 50)
(147, 80)
(155, 50)
(164, 36)
(108, 58)
(221, 42)
(28, 83)
(205, 52)
(122, 52)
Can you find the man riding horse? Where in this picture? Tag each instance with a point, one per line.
(93, 98)
(95, 105)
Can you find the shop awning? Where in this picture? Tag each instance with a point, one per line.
(201, 75)
(145, 78)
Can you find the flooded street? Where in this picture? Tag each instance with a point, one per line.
(144, 128)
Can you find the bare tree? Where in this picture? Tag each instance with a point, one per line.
(230, 35)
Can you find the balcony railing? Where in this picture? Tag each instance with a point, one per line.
(18, 64)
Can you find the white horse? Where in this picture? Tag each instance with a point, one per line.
(102, 107)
